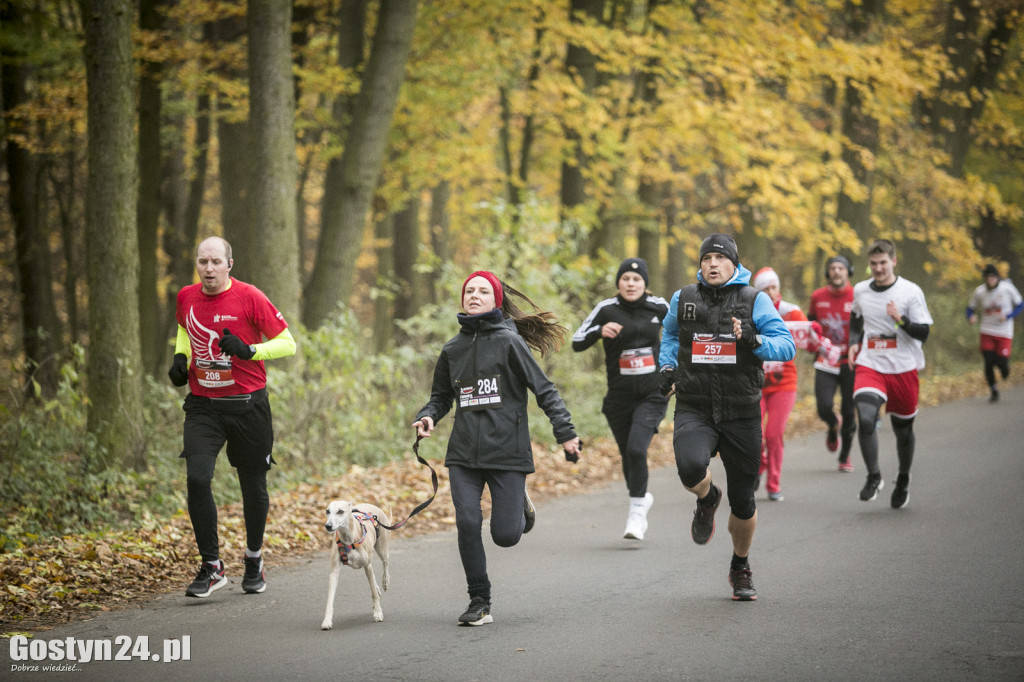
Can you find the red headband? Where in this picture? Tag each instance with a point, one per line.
(495, 284)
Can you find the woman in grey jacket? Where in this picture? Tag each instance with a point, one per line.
(486, 370)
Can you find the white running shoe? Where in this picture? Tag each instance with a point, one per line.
(636, 522)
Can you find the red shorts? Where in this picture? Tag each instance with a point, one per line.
(899, 391)
(999, 344)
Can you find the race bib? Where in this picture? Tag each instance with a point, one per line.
(883, 344)
(214, 373)
(714, 349)
(637, 361)
(483, 393)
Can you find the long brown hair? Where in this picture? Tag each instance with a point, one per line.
(540, 329)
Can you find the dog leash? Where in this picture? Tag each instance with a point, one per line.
(423, 505)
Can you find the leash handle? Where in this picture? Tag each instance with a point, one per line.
(423, 505)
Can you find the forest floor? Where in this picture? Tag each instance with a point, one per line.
(69, 578)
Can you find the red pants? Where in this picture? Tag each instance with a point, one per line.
(775, 409)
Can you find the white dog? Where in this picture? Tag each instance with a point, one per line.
(357, 535)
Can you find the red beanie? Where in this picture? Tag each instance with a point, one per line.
(495, 284)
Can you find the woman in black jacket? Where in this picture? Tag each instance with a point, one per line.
(486, 370)
(629, 324)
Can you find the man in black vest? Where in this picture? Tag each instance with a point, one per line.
(716, 336)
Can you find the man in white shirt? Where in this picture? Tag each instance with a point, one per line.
(999, 302)
(889, 324)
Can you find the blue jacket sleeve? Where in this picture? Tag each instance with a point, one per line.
(776, 341)
(669, 354)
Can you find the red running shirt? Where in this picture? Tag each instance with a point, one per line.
(831, 309)
(248, 314)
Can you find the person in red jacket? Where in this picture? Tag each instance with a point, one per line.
(778, 395)
(830, 307)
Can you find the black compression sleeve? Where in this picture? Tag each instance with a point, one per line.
(856, 328)
(917, 330)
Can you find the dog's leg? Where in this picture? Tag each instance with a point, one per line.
(384, 553)
(332, 588)
(378, 613)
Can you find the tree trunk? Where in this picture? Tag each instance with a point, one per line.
(406, 250)
(860, 134)
(581, 64)
(151, 319)
(275, 260)
(115, 380)
(383, 302)
(40, 327)
(341, 240)
(975, 62)
(440, 225)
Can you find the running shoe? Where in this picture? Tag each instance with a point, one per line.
(901, 492)
(776, 496)
(742, 581)
(209, 579)
(529, 511)
(477, 613)
(703, 527)
(871, 487)
(636, 522)
(255, 579)
(846, 467)
(994, 398)
(832, 438)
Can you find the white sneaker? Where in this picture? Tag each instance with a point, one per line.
(636, 522)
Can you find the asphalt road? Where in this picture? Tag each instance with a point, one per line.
(846, 589)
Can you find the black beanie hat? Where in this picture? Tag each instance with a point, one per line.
(990, 270)
(723, 244)
(637, 265)
(839, 259)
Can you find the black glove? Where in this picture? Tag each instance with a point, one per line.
(667, 379)
(748, 335)
(573, 457)
(178, 373)
(232, 345)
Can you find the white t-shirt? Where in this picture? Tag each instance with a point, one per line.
(886, 347)
(992, 306)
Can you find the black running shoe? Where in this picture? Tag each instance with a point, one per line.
(994, 398)
(478, 612)
(529, 511)
(255, 579)
(703, 527)
(871, 487)
(832, 438)
(742, 581)
(208, 580)
(901, 492)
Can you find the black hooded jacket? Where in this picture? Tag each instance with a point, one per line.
(486, 371)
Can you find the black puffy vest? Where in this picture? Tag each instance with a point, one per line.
(722, 391)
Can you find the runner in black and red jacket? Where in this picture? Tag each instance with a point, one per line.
(629, 324)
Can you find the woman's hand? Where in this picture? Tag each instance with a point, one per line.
(572, 449)
(423, 427)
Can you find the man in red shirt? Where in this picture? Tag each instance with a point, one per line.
(219, 353)
(830, 307)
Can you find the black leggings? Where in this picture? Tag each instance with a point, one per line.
(508, 489)
(202, 509)
(633, 423)
(992, 361)
(825, 385)
(868, 406)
